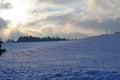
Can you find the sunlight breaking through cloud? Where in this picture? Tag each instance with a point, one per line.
(38, 17)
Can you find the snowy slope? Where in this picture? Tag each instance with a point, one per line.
(94, 58)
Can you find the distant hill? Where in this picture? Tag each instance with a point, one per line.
(104, 38)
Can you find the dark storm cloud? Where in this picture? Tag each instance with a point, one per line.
(3, 24)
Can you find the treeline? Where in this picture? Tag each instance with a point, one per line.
(37, 39)
(116, 32)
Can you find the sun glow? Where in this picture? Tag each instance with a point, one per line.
(17, 14)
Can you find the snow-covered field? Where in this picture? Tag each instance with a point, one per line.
(95, 58)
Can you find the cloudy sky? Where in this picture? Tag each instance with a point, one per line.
(65, 18)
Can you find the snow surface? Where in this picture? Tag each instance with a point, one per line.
(94, 58)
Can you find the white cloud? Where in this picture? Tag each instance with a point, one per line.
(101, 10)
(88, 17)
